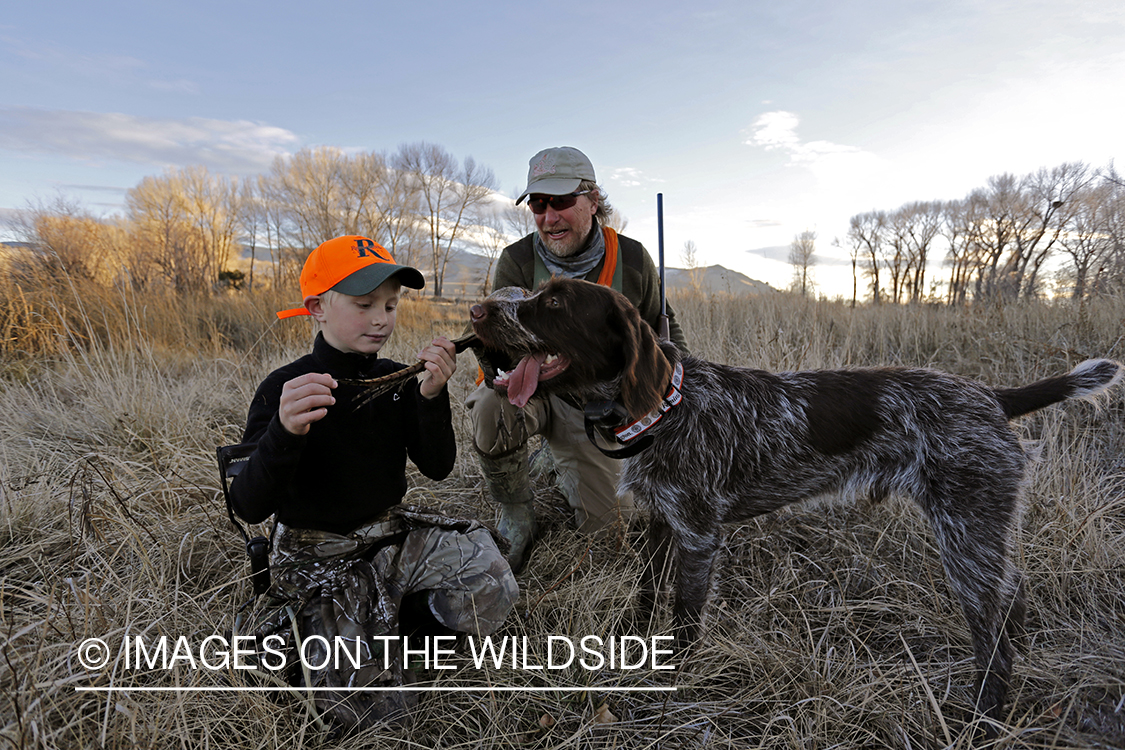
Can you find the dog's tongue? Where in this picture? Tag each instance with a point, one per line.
(524, 379)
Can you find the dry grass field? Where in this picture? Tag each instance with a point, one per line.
(833, 626)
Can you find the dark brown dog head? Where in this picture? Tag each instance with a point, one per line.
(574, 337)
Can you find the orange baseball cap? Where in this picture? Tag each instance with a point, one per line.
(350, 265)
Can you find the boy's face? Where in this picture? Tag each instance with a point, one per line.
(357, 324)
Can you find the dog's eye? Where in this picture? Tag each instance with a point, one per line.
(553, 302)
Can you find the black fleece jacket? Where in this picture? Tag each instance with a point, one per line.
(351, 465)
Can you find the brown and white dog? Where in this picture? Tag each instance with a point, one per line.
(727, 444)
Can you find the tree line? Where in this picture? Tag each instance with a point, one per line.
(184, 229)
(1000, 242)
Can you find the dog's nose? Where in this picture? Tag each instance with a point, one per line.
(477, 312)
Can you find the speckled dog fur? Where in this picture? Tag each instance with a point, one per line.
(745, 442)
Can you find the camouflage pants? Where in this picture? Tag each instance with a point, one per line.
(350, 588)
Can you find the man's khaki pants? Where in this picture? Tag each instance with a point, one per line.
(587, 478)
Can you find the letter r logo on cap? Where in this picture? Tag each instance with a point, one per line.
(365, 247)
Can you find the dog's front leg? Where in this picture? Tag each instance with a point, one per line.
(694, 565)
(654, 578)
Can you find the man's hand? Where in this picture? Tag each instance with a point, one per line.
(305, 400)
(441, 362)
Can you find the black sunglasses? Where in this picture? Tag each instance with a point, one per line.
(538, 204)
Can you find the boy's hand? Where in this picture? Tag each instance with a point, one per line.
(441, 362)
(304, 400)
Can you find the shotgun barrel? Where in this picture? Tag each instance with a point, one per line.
(663, 331)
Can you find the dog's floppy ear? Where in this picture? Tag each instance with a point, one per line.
(647, 371)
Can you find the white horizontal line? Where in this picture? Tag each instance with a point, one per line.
(412, 688)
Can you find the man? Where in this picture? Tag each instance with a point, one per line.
(571, 239)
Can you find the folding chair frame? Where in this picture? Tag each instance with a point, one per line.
(232, 459)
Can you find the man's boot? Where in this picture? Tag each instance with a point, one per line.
(509, 484)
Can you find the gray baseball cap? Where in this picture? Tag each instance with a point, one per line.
(557, 171)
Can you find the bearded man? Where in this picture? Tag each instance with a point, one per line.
(572, 239)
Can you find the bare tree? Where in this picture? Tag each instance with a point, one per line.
(156, 209)
(617, 221)
(894, 257)
(67, 240)
(865, 236)
(912, 229)
(994, 219)
(308, 191)
(395, 217)
(853, 255)
(451, 196)
(274, 221)
(519, 219)
(317, 194)
(365, 178)
(1086, 240)
(211, 207)
(492, 238)
(251, 220)
(185, 222)
(1109, 278)
(1015, 223)
(690, 256)
(802, 256)
(1110, 174)
(1051, 194)
(959, 257)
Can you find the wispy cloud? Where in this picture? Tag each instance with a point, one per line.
(763, 223)
(43, 56)
(774, 252)
(229, 146)
(179, 86)
(631, 177)
(93, 188)
(830, 162)
(780, 253)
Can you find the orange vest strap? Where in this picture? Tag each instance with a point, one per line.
(605, 278)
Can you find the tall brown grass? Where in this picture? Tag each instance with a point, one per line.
(833, 625)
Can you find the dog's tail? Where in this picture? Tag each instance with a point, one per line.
(1087, 380)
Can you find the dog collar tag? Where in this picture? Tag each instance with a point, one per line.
(673, 397)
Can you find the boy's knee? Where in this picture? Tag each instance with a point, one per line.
(477, 597)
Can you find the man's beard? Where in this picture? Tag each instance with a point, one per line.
(571, 244)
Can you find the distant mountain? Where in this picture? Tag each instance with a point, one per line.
(714, 280)
(465, 274)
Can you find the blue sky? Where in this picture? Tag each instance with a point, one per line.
(755, 122)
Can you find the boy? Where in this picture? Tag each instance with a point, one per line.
(360, 565)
